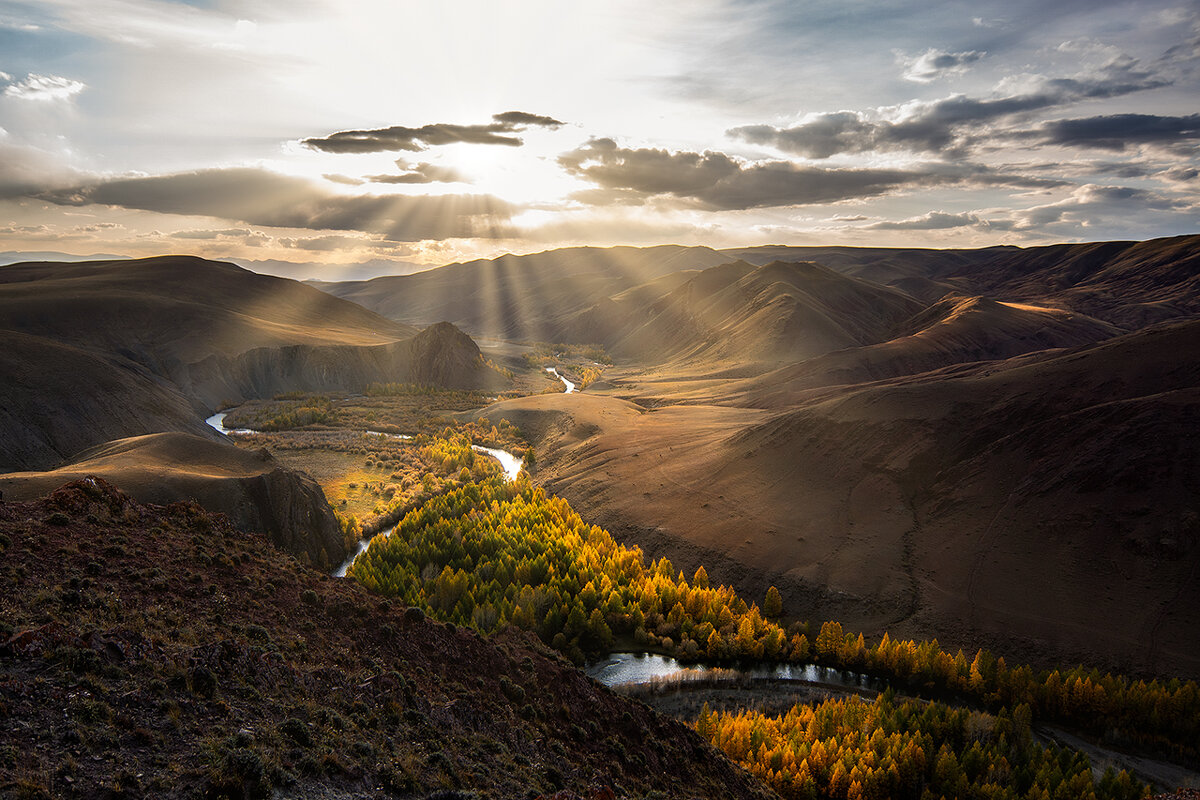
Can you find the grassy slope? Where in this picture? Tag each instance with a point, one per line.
(160, 653)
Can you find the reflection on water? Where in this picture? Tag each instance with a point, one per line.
(570, 386)
(510, 463)
(217, 423)
(623, 669)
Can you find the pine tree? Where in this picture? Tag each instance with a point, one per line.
(772, 604)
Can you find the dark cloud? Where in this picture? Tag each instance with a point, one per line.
(420, 173)
(1118, 131)
(261, 197)
(718, 181)
(934, 64)
(398, 137)
(946, 124)
(525, 118)
(1182, 174)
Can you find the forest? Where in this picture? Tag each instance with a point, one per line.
(488, 553)
(849, 749)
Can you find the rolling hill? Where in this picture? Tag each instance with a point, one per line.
(927, 504)
(104, 350)
(252, 489)
(520, 297)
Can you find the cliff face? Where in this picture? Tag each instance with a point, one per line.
(253, 490)
(440, 355)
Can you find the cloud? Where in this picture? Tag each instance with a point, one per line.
(44, 88)
(261, 197)
(716, 180)
(415, 140)
(524, 118)
(1118, 131)
(345, 180)
(1091, 203)
(945, 124)
(224, 233)
(1181, 174)
(420, 173)
(934, 64)
(934, 220)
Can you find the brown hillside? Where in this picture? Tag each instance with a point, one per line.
(929, 505)
(520, 297)
(178, 309)
(777, 312)
(253, 489)
(109, 349)
(955, 330)
(56, 400)
(157, 652)
(1130, 284)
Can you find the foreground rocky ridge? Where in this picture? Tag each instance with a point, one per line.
(158, 652)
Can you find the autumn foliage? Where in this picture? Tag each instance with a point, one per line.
(849, 749)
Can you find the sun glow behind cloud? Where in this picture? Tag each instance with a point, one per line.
(725, 123)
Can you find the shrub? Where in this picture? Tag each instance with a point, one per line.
(297, 731)
(203, 682)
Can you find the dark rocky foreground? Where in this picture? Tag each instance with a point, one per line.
(154, 651)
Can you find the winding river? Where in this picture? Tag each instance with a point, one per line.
(217, 423)
(511, 464)
(570, 386)
(633, 669)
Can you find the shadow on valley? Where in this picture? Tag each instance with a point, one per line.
(969, 475)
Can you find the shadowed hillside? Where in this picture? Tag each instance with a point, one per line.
(928, 504)
(109, 349)
(173, 310)
(251, 488)
(1131, 284)
(520, 297)
(955, 330)
(162, 652)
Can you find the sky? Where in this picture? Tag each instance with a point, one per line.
(337, 138)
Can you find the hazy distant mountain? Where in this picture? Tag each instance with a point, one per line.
(741, 313)
(520, 297)
(17, 256)
(321, 271)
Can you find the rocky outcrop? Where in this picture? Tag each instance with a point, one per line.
(440, 355)
(443, 355)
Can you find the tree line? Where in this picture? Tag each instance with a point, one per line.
(848, 749)
(488, 553)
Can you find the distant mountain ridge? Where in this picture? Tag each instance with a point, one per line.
(547, 296)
